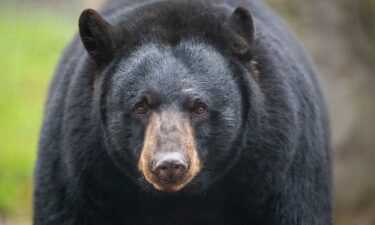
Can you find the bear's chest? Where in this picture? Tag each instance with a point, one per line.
(184, 216)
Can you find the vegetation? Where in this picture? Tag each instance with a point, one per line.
(30, 47)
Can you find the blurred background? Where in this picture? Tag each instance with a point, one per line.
(339, 34)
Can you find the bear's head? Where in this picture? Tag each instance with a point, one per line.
(172, 93)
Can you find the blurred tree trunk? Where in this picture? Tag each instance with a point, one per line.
(341, 37)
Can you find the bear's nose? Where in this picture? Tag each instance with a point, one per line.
(170, 168)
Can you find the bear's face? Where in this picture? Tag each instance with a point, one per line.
(173, 115)
(173, 98)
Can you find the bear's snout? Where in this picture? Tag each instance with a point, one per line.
(169, 159)
(170, 168)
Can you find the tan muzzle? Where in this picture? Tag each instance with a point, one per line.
(169, 159)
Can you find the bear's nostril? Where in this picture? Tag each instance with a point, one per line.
(170, 170)
(163, 168)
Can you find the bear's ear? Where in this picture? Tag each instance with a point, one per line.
(241, 22)
(97, 36)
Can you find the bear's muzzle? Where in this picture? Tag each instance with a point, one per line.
(169, 159)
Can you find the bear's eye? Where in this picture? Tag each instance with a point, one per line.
(200, 109)
(141, 108)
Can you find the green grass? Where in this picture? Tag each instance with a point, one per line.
(31, 42)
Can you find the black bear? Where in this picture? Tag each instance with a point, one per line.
(177, 112)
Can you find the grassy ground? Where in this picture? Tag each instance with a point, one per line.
(31, 42)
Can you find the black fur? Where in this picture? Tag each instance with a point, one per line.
(264, 141)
